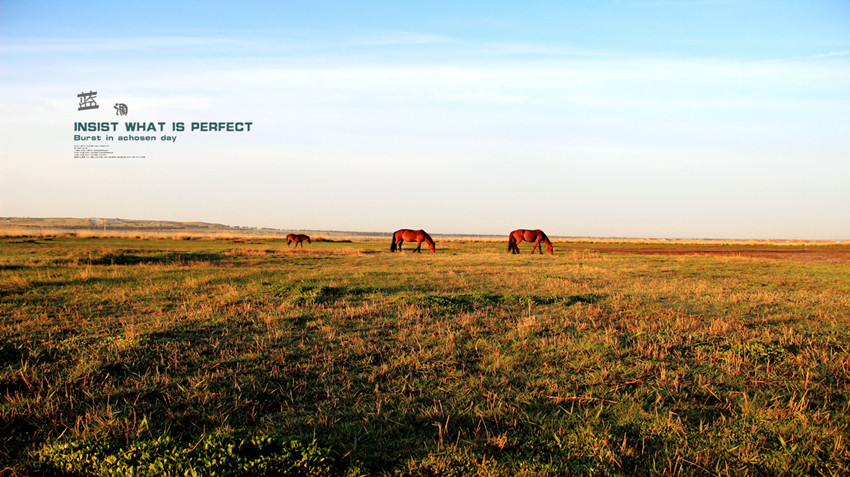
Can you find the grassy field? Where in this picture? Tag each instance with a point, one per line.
(242, 357)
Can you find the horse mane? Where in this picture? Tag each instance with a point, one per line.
(548, 243)
(429, 241)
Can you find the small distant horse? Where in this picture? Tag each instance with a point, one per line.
(529, 236)
(297, 238)
(399, 236)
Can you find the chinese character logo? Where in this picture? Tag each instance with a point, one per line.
(87, 101)
(120, 109)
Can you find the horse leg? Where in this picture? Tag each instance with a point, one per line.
(400, 241)
(537, 246)
(418, 247)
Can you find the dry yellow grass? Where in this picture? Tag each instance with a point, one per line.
(593, 361)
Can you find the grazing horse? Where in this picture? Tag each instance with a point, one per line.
(297, 238)
(399, 236)
(535, 236)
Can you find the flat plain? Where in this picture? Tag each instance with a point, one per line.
(240, 356)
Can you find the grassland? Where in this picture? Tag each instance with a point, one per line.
(242, 357)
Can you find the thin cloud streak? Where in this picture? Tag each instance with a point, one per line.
(385, 38)
(92, 45)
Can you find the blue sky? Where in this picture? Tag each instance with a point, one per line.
(642, 119)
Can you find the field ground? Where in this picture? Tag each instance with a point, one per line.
(243, 357)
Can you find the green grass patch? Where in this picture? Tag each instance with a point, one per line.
(210, 456)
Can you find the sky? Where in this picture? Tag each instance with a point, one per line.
(676, 119)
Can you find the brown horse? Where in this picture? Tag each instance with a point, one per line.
(399, 236)
(535, 236)
(297, 238)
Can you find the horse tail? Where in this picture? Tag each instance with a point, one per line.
(392, 242)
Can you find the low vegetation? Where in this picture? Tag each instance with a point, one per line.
(243, 357)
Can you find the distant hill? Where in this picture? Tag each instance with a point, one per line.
(109, 224)
(99, 225)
